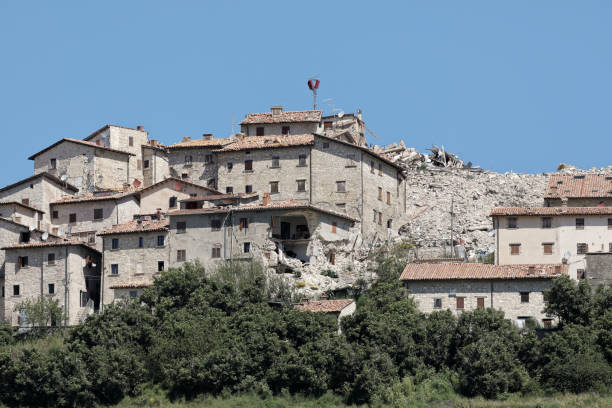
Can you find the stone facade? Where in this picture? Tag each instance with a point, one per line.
(599, 268)
(21, 214)
(195, 164)
(158, 196)
(154, 165)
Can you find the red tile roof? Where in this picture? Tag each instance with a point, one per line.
(550, 211)
(219, 197)
(81, 142)
(136, 227)
(55, 243)
(423, 271)
(103, 128)
(179, 181)
(200, 143)
(93, 197)
(131, 285)
(274, 205)
(268, 142)
(21, 205)
(283, 117)
(325, 306)
(579, 186)
(48, 176)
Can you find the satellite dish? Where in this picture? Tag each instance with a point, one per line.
(567, 255)
(32, 228)
(341, 114)
(63, 177)
(45, 236)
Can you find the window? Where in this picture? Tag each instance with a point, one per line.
(273, 187)
(188, 159)
(302, 160)
(140, 242)
(512, 223)
(98, 213)
(389, 223)
(15, 290)
(327, 125)
(548, 248)
(84, 298)
(114, 269)
(380, 193)
(22, 261)
(350, 160)
(54, 230)
(24, 237)
(547, 222)
(160, 266)
(460, 303)
(341, 205)
(184, 176)
(51, 288)
(332, 258)
(524, 297)
(515, 249)
(91, 237)
(579, 223)
(379, 218)
(285, 130)
(582, 248)
(388, 197)
(248, 188)
(480, 302)
(208, 158)
(181, 227)
(244, 223)
(216, 251)
(334, 226)
(133, 294)
(248, 165)
(53, 163)
(18, 220)
(138, 164)
(131, 140)
(160, 240)
(341, 186)
(181, 255)
(609, 223)
(325, 145)
(275, 162)
(547, 323)
(54, 215)
(246, 247)
(72, 218)
(380, 169)
(25, 201)
(301, 185)
(259, 131)
(230, 166)
(545, 297)
(580, 274)
(372, 166)
(215, 225)
(229, 190)
(115, 243)
(50, 259)
(375, 215)
(437, 303)
(172, 202)
(146, 164)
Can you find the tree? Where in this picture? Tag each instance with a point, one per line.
(569, 301)
(44, 311)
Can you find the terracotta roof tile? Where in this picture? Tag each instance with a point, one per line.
(200, 143)
(81, 142)
(92, 197)
(48, 176)
(54, 243)
(131, 285)
(551, 211)
(423, 271)
(283, 117)
(325, 306)
(579, 186)
(135, 226)
(268, 142)
(103, 128)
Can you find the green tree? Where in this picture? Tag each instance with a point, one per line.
(43, 311)
(568, 301)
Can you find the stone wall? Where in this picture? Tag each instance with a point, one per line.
(201, 170)
(274, 129)
(21, 215)
(159, 197)
(158, 169)
(599, 268)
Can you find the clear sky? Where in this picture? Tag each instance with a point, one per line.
(514, 85)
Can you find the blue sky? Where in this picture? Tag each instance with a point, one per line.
(515, 85)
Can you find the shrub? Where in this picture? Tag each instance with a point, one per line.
(329, 273)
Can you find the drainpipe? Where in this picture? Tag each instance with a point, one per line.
(491, 294)
(66, 288)
(102, 279)
(496, 229)
(310, 173)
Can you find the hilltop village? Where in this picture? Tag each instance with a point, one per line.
(299, 192)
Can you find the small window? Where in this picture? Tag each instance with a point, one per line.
(114, 269)
(547, 222)
(515, 249)
(160, 266)
(51, 288)
(375, 215)
(22, 261)
(133, 294)
(229, 190)
(389, 223)
(54, 230)
(244, 223)
(332, 258)
(380, 169)
(230, 166)
(24, 237)
(610, 223)
(215, 225)
(140, 242)
(512, 223)
(480, 302)
(259, 131)
(273, 187)
(246, 247)
(524, 297)
(188, 159)
(72, 218)
(582, 248)
(181, 255)
(327, 125)
(388, 197)
(53, 163)
(334, 226)
(341, 205)
(51, 259)
(460, 303)
(115, 243)
(285, 130)
(248, 188)
(248, 165)
(172, 202)
(548, 248)
(138, 164)
(25, 201)
(350, 160)
(131, 141)
(184, 176)
(437, 303)
(341, 186)
(98, 213)
(54, 215)
(579, 223)
(160, 240)
(547, 323)
(15, 290)
(380, 193)
(302, 160)
(301, 185)
(146, 164)
(275, 162)
(91, 237)
(372, 166)
(216, 251)
(379, 218)
(580, 274)
(208, 158)
(326, 145)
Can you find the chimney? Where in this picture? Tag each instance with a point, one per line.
(186, 139)
(141, 128)
(207, 136)
(159, 214)
(266, 199)
(276, 110)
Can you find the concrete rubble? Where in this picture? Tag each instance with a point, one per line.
(410, 158)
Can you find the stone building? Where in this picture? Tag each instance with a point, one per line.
(278, 122)
(551, 235)
(68, 271)
(22, 213)
(154, 164)
(167, 194)
(82, 217)
(345, 126)
(599, 268)
(134, 253)
(580, 190)
(37, 192)
(517, 290)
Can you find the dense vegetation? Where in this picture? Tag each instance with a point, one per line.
(193, 334)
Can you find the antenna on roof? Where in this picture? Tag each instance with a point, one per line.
(313, 85)
(32, 228)
(341, 114)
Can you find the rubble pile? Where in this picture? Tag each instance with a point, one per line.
(410, 158)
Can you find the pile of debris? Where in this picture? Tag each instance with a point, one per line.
(410, 158)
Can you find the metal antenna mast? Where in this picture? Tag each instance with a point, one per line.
(313, 85)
